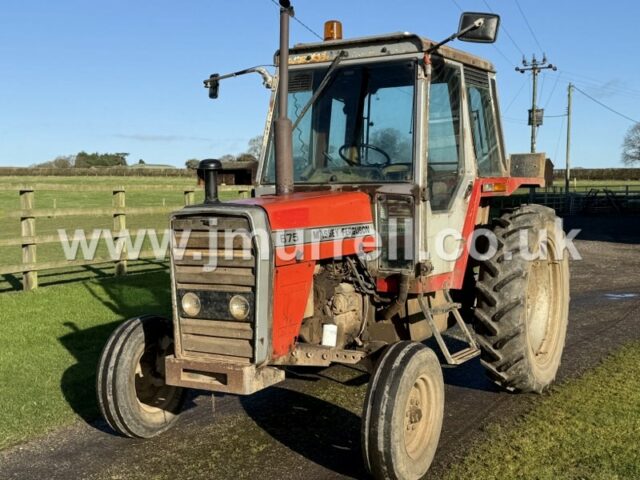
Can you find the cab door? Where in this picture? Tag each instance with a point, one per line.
(450, 171)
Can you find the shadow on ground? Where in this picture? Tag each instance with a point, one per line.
(309, 426)
(128, 298)
(615, 228)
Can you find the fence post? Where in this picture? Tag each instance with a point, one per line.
(626, 195)
(119, 228)
(189, 198)
(28, 232)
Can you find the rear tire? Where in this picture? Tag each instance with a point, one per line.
(132, 395)
(522, 305)
(403, 413)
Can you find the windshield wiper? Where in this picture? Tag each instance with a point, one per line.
(321, 87)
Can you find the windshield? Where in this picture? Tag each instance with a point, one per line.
(359, 130)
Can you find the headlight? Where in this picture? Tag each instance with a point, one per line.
(191, 304)
(395, 226)
(239, 307)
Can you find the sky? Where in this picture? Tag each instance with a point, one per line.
(123, 76)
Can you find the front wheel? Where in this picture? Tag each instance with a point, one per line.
(403, 413)
(130, 385)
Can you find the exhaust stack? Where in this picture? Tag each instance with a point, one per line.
(283, 125)
(208, 173)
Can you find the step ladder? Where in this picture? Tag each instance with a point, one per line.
(462, 356)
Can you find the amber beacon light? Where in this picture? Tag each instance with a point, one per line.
(332, 30)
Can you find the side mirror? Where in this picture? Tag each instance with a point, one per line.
(486, 32)
(214, 86)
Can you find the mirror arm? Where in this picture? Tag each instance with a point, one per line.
(477, 24)
(267, 78)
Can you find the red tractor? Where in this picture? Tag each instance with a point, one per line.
(382, 160)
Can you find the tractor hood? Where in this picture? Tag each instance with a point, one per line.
(314, 209)
(311, 226)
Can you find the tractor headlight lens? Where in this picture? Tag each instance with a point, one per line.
(239, 307)
(395, 226)
(191, 304)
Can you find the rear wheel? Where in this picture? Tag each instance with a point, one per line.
(132, 394)
(403, 412)
(523, 301)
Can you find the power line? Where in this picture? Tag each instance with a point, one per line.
(604, 87)
(599, 81)
(560, 132)
(505, 30)
(529, 26)
(544, 80)
(605, 106)
(493, 44)
(553, 90)
(510, 104)
(304, 25)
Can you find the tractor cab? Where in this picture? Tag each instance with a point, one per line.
(412, 123)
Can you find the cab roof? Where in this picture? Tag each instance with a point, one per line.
(399, 43)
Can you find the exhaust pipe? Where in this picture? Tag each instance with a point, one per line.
(283, 125)
(208, 173)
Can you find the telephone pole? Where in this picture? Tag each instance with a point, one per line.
(567, 167)
(535, 114)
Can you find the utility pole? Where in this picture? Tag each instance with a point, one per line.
(535, 114)
(567, 167)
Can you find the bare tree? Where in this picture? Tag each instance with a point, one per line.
(61, 161)
(631, 146)
(255, 146)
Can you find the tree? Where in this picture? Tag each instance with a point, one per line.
(246, 157)
(393, 143)
(631, 146)
(192, 164)
(88, 160)
(141, 162)
(61, 161)
(227, 158)
(255, 146)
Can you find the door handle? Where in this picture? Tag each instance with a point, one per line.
(468, 191)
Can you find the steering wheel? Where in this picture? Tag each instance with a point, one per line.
(387, 158)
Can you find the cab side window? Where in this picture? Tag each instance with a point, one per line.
(483, 124)
(444, 147)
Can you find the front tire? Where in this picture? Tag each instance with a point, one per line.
(523, 301)
(132, 394)
(403, 413)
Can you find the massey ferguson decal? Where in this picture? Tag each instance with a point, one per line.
(285, 238)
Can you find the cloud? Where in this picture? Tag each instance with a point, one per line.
(142, 137)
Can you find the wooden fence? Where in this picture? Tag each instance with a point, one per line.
(27, 215)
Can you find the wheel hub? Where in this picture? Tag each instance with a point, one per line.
(416, 419)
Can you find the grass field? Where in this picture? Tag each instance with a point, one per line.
(10, 227)
(588, 428)
(50, 344)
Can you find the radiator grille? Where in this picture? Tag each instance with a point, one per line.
(214, 258)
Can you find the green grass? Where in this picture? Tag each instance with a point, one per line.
(588, 428)
(50, 343)
(10, 227)
(52, 338)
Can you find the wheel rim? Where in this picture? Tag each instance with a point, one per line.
(418, 417)
(152, 393)
(543, 300)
